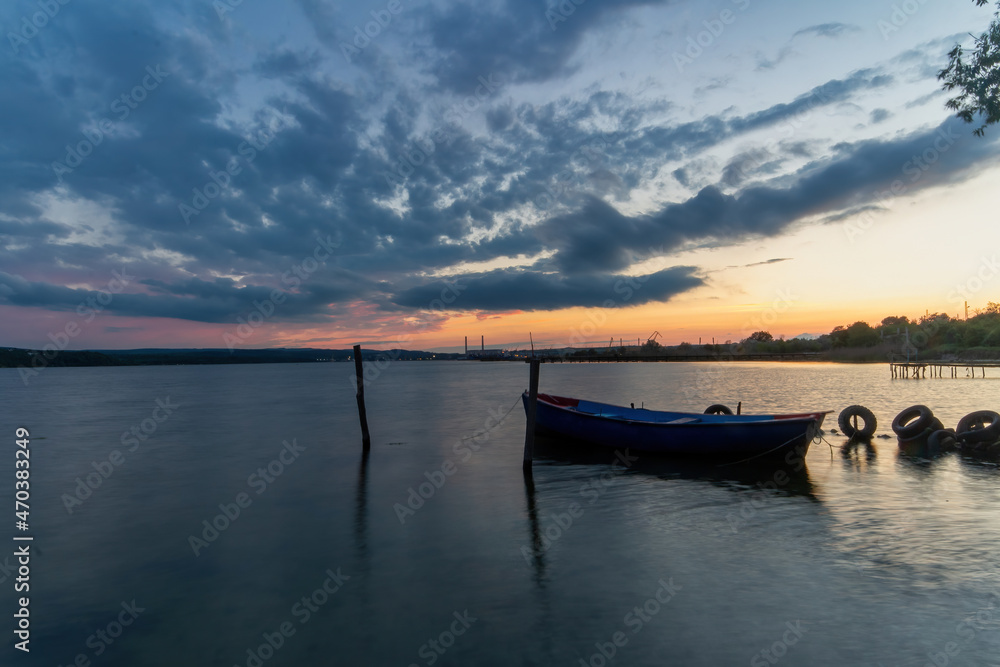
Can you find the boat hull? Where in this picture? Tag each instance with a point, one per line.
(675, 433)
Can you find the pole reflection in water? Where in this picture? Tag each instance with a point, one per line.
(543, 602)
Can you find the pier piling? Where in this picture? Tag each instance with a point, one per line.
(918, 370)
(359, 377)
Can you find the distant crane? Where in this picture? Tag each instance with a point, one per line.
(653, 337)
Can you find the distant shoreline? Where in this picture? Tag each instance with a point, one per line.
(37, 359)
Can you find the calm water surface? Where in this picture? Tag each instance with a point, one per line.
(865, 557)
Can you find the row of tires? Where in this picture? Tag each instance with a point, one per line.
(917, 421)
(981, 426)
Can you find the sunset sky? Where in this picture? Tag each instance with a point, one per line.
(406, 173)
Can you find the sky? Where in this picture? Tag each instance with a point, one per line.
(398, 173)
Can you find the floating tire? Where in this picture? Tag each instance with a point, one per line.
(912, 421)
(846, 424)
(718, 409)
(943, 439)
(979, 426)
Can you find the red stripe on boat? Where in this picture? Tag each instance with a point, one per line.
(561, 401)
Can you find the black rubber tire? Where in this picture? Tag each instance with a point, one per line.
(906, 429)
(846, 424)
(943, 439)
(979, 426)
(718, 409)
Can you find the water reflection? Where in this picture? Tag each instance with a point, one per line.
(361, 574)
(361, 511)
(857, 450)
(538, 552)
(542, 596)
(789, 476)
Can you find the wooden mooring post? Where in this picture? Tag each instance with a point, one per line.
(359, 377)
(529, 429)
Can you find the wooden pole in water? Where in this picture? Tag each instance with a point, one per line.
(359, 378)
(529, 430)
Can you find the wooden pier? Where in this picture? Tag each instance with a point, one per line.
(917, 370)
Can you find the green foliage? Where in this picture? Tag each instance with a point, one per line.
(976, 78)
(861, 334)
(760, 337)
(838, 337)
(651, 347)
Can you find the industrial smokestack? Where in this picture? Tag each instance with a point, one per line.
(482, 343)
(466, 346)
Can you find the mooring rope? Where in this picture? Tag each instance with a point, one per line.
(499, 421)
(816, 438)
(784, 444)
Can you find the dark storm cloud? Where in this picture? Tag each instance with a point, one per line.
(220, 301)
(526, 40)
(513, 289)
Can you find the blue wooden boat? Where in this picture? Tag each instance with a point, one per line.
(680, 433)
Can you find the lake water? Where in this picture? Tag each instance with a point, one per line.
(862, 558)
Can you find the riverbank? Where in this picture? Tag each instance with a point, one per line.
(25, 358)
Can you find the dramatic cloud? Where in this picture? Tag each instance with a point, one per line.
(509, 289)
(211, 156)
